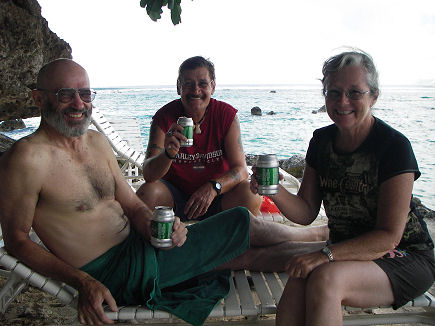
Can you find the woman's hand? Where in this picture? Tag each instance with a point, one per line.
(300, 266)
(254, 184)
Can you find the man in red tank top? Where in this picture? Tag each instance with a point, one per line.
(211, 175)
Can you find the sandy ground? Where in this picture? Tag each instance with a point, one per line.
(33, 307)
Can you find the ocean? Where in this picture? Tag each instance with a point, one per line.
(409, 109)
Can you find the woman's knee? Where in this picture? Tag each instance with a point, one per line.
(323, 284)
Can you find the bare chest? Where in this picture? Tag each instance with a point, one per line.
(77, 184)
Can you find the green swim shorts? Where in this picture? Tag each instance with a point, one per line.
(181, 280)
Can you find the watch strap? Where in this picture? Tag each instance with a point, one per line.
(216, 187)
(328, 253)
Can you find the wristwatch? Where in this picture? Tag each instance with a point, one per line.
(216, 186)
(328, 253)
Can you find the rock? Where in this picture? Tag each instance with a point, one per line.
(272, 91)
(12, 125)
(251, 159)
(271, 113)
(5, 143)
(322, 109)
(256, 111)
(26, 43)
(294, 165)
(423, 211)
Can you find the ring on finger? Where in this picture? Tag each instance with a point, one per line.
(170, 133)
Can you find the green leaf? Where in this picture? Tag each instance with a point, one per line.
(176, 12)
(154, 9)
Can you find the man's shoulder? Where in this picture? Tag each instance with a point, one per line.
(27, 153)
(170, 107)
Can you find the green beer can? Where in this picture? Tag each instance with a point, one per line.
(187, 124)
(267, 175)
(161, 227)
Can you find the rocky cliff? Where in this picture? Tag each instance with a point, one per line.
(26, 43)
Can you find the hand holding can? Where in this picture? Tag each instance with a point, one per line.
(187, 124)
(267, 174)
(161, 227)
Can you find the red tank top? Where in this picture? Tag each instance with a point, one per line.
(206, 159)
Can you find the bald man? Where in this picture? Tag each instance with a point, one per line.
(64, 182)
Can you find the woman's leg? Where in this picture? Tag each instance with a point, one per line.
(355, 283)
(291, 307)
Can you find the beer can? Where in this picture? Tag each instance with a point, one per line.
(267, 175)
(187, 124)
(161, 227)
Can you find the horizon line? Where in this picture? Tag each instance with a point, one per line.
(432, 84)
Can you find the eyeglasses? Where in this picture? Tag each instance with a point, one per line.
(352, 94)
(192, 85)
(66, 95)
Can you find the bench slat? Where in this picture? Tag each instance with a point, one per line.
(268, 305)
(245, 294)
(232, 306)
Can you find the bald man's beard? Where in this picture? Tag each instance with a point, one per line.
(56, 120)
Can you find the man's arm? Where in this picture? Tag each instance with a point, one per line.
(135, 209)
(201, 199)
(236, 158)
(22, 177)
(160, 148)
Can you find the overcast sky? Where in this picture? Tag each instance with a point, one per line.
(249, 41)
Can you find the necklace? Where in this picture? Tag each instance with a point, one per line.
(197, 128)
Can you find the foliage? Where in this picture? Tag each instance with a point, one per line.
(154, 9)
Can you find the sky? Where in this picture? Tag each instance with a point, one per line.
(249, 41)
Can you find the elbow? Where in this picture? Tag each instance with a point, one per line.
(391, 240)
(14, 247)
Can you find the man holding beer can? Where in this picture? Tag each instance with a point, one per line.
(203, 175)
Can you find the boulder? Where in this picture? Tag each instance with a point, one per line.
(271, 113)
(251, 159)
(256, 111)
(294, 165)
(321, 109)
(12, 125)
(26, 44)
(422, 210)
(5, 143)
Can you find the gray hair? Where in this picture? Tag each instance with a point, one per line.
(358, 58)
(197, 62)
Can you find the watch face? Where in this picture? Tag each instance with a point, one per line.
(216, 186)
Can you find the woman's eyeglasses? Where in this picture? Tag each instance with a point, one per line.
(352, 94)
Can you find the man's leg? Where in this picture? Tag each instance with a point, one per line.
(155, 194)
(266, 233)
(271, 246)
(271, 258)
(241, 195)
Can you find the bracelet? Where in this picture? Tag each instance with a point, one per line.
(169, 156)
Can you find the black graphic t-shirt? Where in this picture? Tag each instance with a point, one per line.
(349, 183)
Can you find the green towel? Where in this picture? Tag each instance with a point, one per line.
(182, 280)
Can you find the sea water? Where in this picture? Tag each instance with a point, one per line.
(410, 110)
